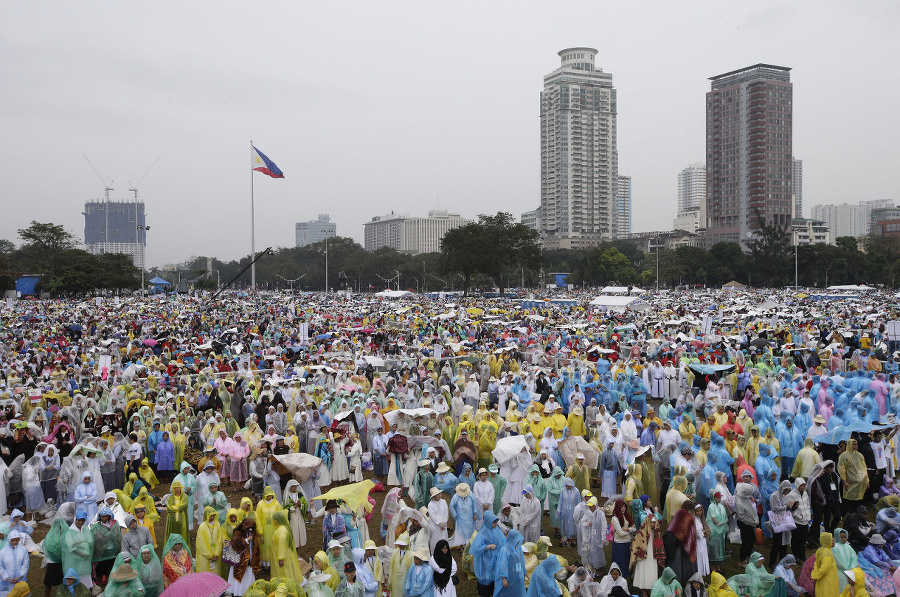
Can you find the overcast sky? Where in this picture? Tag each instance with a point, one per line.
(372, 107)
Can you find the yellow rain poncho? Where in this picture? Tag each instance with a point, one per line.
(284, 562)
(575, 423)
(771, 440)
(177, 507)
(852, 469)
(751, 448)
(634, 488)
(675, 496)
(825, 572)
(145, 501)
(401, 560)
(245, 509)
(147, 473)
(859, 587)
(265, 524)
(210, 540)
(232, 519)
(718, 587)
(807, 458)
(320, 560)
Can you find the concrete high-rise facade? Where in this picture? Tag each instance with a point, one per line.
(411, 235)
(116, 227)
(623, 207)
(692, 188)
(579, 156)
(749, 158)
(797, 185)
(314, 231)
(845, 219)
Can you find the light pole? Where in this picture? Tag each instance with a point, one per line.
(657, 263)
(326, 233)
(141, 248)
(291, 282)
(424, 277)
(218, 279)
(796, 269)
(398, 280)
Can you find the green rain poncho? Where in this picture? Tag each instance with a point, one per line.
(537, 482)
(554, 486)
(55, 539)
(76, 590)
(124, 581)
(345, 555)
(150, 573)
(499, 484)
(666, 585)
(761, 582)
(78, 550)
(217, 501)
(107, 538)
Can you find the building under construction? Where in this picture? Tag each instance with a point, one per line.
(115, 227)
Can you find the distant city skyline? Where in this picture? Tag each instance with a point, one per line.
(463, 134)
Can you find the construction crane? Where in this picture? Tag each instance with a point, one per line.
(138, 245)
(106, 189)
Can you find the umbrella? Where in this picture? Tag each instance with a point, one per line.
(570, 447)
(508, 447)
(150, 342)
(412, 412)
(355, 494)
(199, 584)
(76, 327)
(302, 466)
(324, 336)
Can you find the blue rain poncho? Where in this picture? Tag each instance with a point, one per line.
(510, 566)
(419, 581)
(484, 558)
(543, 580)
(464, 510)
(568, 499)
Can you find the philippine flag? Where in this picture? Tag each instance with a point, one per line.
(263, 164)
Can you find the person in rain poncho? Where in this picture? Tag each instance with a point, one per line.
(364, 574)
(177, 512)
(580, 473)
(14, 563)
(438, 517)
(484, 550)
(543, 579)
(71, 586)
(851, 467)
(420, 577)
(443, 567)
(568, 499)
(136, 536)
(318, 585)
(785, 572)
(149, 570)
(209, 543)
(177, 560)
(107, 543)
(296, 505)
(592, 536)
(807, 458)
(265, 525)
(761, 582)
(124, 580)
(78, 548)
(401, 560)
(204, 479)
(530, 515)
(856, 586)
(284, 563)
(667, 585)
(845, 557)
(338, 555)
(241, 555)
(717, 520)
(86, 496)
(613, 578)
(53, 544)
(216, 500)
(509, 576)
(189, 487)
(466, 513)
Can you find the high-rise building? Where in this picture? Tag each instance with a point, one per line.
(411, 235)
(116, 227)
(749, 142)
(579, 156)
(797, 186)
(691, 214)
(692, 188)
(314, 231)
(852, 220)
(532, 219)
(623, 207)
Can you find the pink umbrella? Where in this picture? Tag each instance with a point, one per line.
(150, 342)
(199, 584)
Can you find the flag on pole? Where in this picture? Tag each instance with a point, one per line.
(261, 163)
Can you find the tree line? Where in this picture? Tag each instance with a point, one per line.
(492, 252)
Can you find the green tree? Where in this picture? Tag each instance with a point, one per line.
(615, 267)
(462, 251)
(116, 271)
(45, 245)
(733, 259)
(847, 243)
(77, 273)
(771, 254)
(511, 245)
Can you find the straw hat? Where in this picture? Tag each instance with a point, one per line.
(462, 490)
(435, 491)
(422, 554)
(443, 468)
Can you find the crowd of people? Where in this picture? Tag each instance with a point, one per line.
(544, 451)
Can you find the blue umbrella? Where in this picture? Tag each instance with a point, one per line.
(324, 336)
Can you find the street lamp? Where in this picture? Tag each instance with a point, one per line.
(326, 233)
(141, 249)
(796, 269)
(398, 279)
(218, 279)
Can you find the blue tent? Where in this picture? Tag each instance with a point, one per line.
(27, 285)
(157, 281)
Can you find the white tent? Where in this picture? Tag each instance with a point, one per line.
(618, 303)
(851, 287)
(622, 290)
(393, 293)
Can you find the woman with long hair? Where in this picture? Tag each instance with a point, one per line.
(444, 567)
(623, 531)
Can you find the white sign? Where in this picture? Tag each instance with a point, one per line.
(98, 300)
(891, 332)
(706, 325)
(104, 361)
(303, 332)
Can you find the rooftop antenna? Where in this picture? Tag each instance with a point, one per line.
(107, 188)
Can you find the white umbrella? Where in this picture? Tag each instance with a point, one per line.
(508, 447)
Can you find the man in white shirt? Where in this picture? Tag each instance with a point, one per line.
(484, 491)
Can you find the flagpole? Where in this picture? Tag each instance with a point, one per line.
(252, 226)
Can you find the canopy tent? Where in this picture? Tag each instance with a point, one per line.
(393, 293)
(611, 302)
(854, 287)
(734, 284)
(622, 290)
(157, 281)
